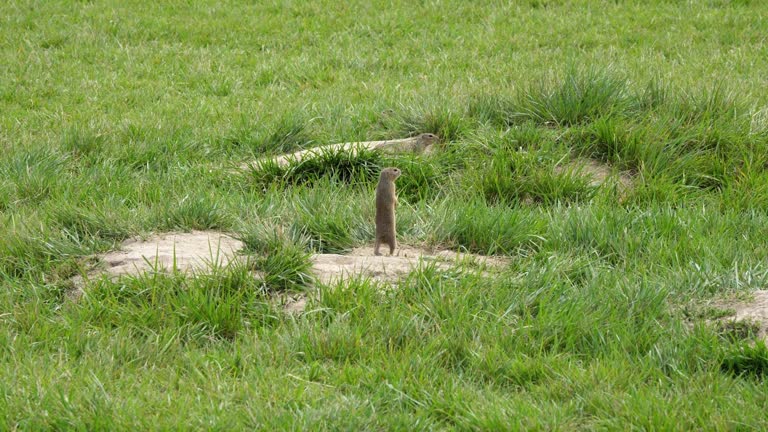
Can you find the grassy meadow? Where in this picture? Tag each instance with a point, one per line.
(120, 119)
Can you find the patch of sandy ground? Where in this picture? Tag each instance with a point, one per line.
(193, 251)
(598, 173)
(200, 250)
(755, 310)
(330, 268)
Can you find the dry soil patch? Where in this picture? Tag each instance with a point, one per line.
(597, 173)
(198, 251)
(192, 251)
(331, 268)
(754, 310)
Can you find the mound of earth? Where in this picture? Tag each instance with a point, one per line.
(198, 251)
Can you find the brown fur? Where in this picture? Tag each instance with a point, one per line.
(424, 142)
(418, 144)
(386, 201)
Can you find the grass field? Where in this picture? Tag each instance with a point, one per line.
(120, 119)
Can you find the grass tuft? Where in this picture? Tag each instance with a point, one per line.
(194, 213)
(493, 109)
(34, 174)
(30, 252)
(84, 144)
(520, 177)
(216, 304)
(411, 121)
(290, 133)
(283, 261)
(735, 331)
(331, 226)
(581, 97)
(478, 227)
(340, 165)
(90, 223)
(420, 180)
(746, 360)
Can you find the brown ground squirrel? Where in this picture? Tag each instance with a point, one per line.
(386, 201)
(417, 144)
(423, 143)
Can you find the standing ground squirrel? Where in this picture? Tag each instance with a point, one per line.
(386, 201)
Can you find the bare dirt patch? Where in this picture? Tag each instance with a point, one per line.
(198, 251)
(184, 252)
(597, 173)
(753, 311)
(334, 268)
(330, 268)
(192, 251)
(294, 304)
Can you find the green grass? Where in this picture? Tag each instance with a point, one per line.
(119, 120)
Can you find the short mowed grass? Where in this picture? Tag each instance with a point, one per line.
(123, 119)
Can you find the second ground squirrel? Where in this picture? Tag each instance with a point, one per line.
(418, 144)
(386, 201)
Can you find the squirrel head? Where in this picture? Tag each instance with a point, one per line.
(390, 173)
(427, 139)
